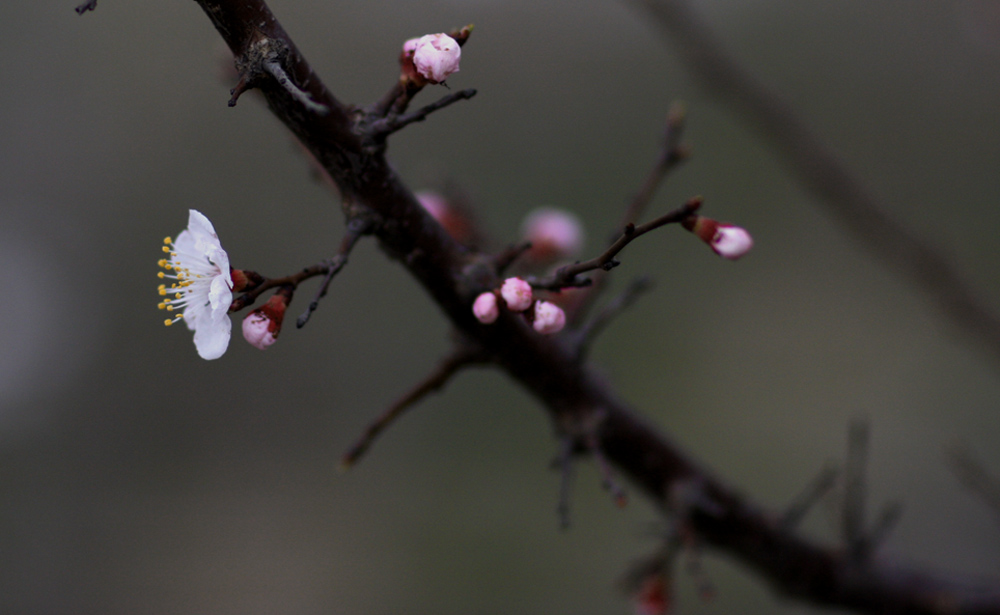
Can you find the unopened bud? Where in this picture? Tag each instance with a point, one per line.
(726, 240)
(554, 234)
(454, 220)
(434, 56)
(516, 294)
(485, 308)
(261, 326)
(549, 318)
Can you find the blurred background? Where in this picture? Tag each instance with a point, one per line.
(137, 478)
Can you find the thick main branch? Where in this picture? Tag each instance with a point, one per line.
(548, 367)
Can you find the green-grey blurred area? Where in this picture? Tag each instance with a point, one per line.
(137, 478)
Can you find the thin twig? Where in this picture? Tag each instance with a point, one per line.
(392, 123)
(566, 277)
(462, 357)
(804, 502)
(356, 228)
(589, 331)
(274, 68)
(89, 5)
(671, 154)
(854, 489)
(974, 476)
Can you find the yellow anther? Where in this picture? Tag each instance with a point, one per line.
(166, 249)
(168, 322)
(161, 275)
(168, 241)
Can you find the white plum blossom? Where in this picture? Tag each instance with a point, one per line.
(517, 294)
(485, 308)
(435, 56)
(731, 241)
(203, 290)
(549, 318)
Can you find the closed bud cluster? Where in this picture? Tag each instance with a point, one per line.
(726, 240)
(546, 318)
(261, 326)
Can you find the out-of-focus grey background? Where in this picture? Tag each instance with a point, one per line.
(137, 478)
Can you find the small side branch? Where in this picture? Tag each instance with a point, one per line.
(672, 154)
(274, 68)
(356, 229)
(393, 123)
(806, 500)
(463, 357)
(589, 331)
(90, 5)
(974, 476)
(566, 277)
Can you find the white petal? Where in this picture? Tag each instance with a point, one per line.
(200, 225)
(211, 338)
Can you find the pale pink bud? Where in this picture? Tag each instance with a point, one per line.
(516, 294)
(726, 240)
(261, 326)
(485, 308)
(549, 318)
(554, 234)
(731, 242)
(435, 56)
(257, 330)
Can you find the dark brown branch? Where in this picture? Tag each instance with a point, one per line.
(566, 277)
(461, 358)
(89, 5)
(820, 171)
(548, 368)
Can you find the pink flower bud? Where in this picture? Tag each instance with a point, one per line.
(554, 234)
(485, 308)
(261, 326)
(435, 56)
(454, 219)
(516, 294)
(726, 240)
(549, 318)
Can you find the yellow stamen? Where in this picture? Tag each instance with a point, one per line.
(168, 241)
